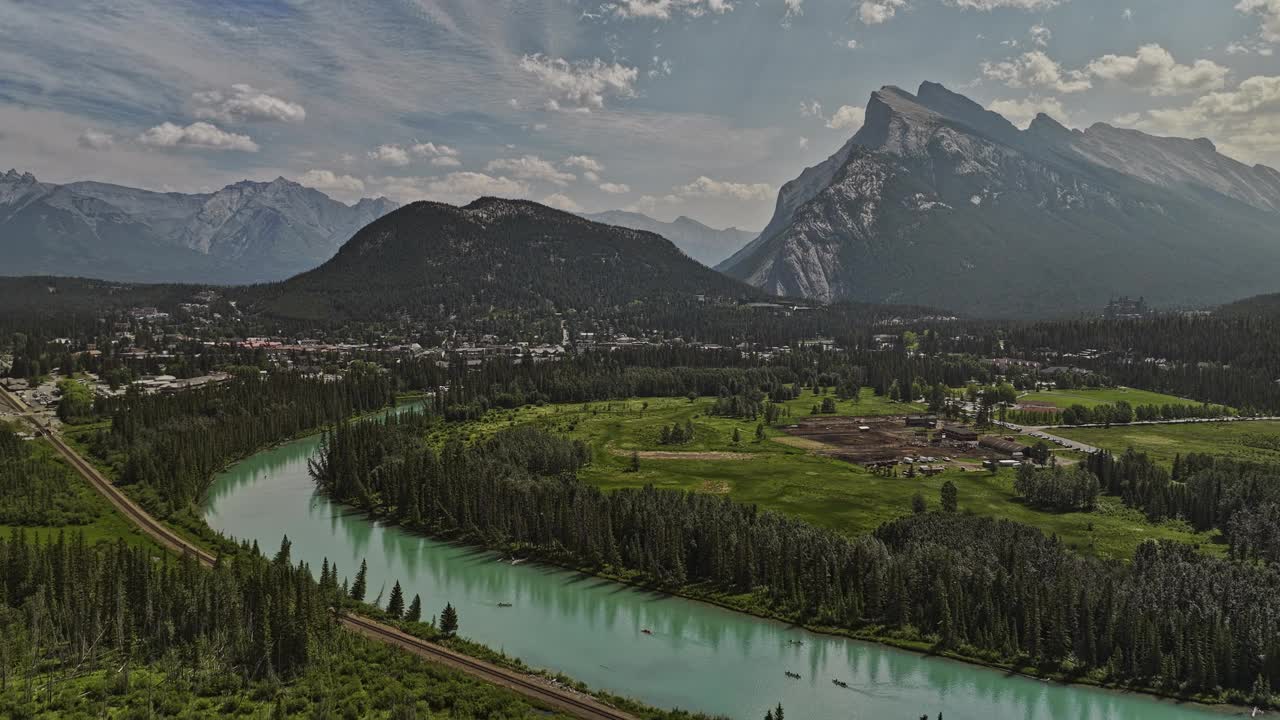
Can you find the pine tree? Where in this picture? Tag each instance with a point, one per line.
(415, 610)
(395, 606)
(449, 620)
(359, 586)
(949, 497)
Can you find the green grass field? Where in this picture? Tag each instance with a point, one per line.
(821, 490)
(1103, 396)
(1257, 441)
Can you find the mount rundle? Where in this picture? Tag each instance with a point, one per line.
(939, 201)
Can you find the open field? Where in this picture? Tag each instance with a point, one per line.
(1257, 441)
(1102, 396)
(783, 473)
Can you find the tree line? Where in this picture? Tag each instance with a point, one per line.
(169, 445)
(1173, 618)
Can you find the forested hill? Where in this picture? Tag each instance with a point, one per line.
(1268, 305)
(435, 260)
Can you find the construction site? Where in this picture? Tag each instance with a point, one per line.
(888, 443)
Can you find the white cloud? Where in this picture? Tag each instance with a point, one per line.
(848, 117)
(242, 103)
(329, 180)
(430, 149)
(802, 142)
(1022, 112)
(562, 202)
(531, 167)
(1127, 14)
(96, 140)
(457, 188)
(811, 109)
(795, 8)
(1250, 47)
(584, 84)
(705, 187)
(989, 5)
(1041, 35)
(1245, 120)
(615, 188)
(1154, 70)
(1269, 11)
(393, 155)
(583, 162)
(198, 135)
(1127, 119)
(1037, 71)
(664, 9)
(875, 12)
(852, 44)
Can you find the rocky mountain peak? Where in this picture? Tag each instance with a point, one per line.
(934, 189)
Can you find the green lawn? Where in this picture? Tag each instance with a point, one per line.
(1103, 396)
(1244, 440)
(821, 490)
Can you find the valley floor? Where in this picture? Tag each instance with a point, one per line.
(787, 474)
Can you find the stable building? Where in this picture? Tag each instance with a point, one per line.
(922, 421)
(958, 433)
(1011, 448)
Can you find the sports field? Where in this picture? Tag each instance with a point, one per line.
(1092, 397)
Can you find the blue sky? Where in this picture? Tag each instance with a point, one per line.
(696, 107)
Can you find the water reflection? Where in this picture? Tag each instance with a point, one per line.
(698, 656)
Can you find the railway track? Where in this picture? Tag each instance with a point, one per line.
(577, 704)
(574, 703)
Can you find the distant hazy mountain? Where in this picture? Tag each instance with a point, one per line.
(705, 244)
(941, 202)
(488, 260)
(246, 232)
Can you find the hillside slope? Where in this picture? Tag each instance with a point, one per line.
(431, 260)
(705, 244)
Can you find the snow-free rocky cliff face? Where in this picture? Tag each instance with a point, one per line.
(244, 233)
(938, 201)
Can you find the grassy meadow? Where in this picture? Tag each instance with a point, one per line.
(1257, 441)
(788, 477)
(1093, 397)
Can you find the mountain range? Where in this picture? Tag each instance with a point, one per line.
(491, 259)
(707, 245)
(939, 201)
(247, 232)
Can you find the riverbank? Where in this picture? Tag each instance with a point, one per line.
(750, 605)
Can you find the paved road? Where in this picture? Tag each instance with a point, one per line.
(534, 688)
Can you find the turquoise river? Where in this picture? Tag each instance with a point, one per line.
(695, 656)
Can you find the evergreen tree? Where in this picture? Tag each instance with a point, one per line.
(449, 620)
(395, 606)
(949, 497)
(359, 587)
(415, 610)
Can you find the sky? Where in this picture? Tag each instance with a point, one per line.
(667, 107)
